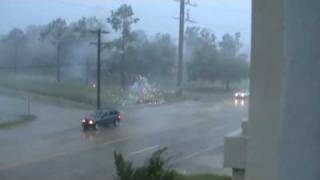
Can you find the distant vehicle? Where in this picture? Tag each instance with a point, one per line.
(240, 98)
(103, 117)
(241, 95)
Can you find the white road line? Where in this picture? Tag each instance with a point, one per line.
(198, 153)
(219, 127)
(114, 141)
(204, 150)
(144, 150)
(236, 132)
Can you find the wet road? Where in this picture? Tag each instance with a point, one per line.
(54, 147)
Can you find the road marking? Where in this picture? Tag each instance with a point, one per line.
(144, 150)
(219, 127)
(197, 153)
(211, 148)
(61, 154)
(236, 132)
(113, 142)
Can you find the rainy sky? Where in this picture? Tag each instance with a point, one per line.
(155, 16)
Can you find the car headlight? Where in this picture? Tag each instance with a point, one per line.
(236, 94)
(242, 95)
(83, 121)
(90, 122)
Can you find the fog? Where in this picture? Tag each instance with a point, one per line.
(218, 15)
(65, 111)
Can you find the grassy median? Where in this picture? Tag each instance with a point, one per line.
(71, 91)
(18, 121)
(111, 93)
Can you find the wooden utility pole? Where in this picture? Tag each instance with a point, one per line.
(28, 104)
(58, 61)
(182, 21)
(99, 32)
(15, 53)
(87, 78)
(123, 61)
(181, 45)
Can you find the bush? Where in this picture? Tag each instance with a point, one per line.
(154, 169)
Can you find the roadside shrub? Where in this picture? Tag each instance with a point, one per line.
(154, 169)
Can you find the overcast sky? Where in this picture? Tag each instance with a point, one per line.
(220, 16)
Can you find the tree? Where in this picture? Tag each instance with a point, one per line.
(212, 61)
(232, 63)
(56, 32)
(82, 30)
(152, 57)
(192, 36)
(204, 54)
(121, 20)
(83, 27)
(230, 46)
(16, 39)
(157, 56)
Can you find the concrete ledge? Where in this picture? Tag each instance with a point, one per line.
(235, 146)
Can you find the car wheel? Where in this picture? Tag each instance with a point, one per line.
(115, 123)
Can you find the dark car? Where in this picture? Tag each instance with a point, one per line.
(103, 117)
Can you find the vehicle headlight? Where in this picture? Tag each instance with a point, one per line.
(236, 94)
(242, 94)
(90, 122)
(83, 121)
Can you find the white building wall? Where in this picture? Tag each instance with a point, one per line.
(300, 138)
(267, 61)
(284, 117)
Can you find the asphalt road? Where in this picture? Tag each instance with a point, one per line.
(54, 146)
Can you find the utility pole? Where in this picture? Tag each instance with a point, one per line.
(87, 81)
(58, 61)
(28, 104)
(15, 60)
(123, 62)
(181, 45)
(99, 32)
(182, 21)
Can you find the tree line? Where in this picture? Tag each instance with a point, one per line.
(213, 60)
(64, 48)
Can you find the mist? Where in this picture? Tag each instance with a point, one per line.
(81, 80)
(219, 16)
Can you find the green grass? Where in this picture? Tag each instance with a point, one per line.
(203, 177)
(111, 95)
(72, 91)
(20, 120)
(172, 97)
(217, 87)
